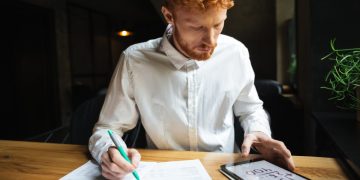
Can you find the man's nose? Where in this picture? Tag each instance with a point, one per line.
(209, 38)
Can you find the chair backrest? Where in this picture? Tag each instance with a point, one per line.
(268, 88)
(87, 114)
(269, 92)
(286, 119)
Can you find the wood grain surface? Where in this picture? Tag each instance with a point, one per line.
(33, 160)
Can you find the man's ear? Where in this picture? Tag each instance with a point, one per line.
(169, 18)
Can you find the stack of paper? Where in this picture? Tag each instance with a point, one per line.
(175, 170)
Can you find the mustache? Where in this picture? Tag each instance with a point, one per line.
(211, 46)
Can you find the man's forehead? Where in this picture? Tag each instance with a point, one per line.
(197, 18)
(192, 14)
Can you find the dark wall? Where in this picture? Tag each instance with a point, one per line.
(94, 44)
(39, 62)
(319, 22)
(253, 22)
(331, 19)
(31, 93)
(90, 52)
(94, 47)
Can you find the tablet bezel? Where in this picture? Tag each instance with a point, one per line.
(228, 173)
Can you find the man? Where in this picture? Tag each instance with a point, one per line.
(186, 86)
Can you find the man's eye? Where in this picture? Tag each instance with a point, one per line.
(197, 28)
(217, 26)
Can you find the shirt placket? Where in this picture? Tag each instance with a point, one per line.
(192, 104)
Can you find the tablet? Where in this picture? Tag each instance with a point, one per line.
(258, 169)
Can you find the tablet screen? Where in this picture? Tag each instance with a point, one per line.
(261, 170)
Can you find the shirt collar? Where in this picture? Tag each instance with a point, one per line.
(175, 57)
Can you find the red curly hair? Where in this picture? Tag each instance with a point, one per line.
(199, 4)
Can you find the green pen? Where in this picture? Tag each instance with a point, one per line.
(122, 152)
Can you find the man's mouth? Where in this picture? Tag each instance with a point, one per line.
(204, 49)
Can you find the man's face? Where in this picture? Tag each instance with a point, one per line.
(195, 32)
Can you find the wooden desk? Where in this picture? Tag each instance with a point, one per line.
(338, 135)
(30, 160)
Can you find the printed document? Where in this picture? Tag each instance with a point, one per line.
(175, 170)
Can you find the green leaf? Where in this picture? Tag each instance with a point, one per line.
(344, 76)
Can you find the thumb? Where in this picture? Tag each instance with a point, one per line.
(245, 147)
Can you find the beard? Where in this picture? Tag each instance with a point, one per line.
(185, 47)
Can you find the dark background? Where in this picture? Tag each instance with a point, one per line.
(59, 53)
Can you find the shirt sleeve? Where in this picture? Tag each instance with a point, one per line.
(119, 112)
(248, 107)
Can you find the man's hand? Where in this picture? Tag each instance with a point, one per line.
(114, 166)
(272, 150)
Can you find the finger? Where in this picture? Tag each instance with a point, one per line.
(110, 169)
(135, 157)
(280, 146)
(105, 158)
(284, 154)
(110, 176)
(287, 163)
(245, 147)
(109, 164)
(107, 173)
(290, 164)
(116, 158)
(114, 168)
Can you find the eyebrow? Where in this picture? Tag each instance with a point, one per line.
(189, 20)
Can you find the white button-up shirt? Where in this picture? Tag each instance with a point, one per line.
(184, 104)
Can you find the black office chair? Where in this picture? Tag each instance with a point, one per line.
(87, 114)
(57, 135)
(268, 91)
(286, 119)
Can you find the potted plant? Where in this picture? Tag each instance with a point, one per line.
(343, 79)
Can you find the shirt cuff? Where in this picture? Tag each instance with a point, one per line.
(256, 123)
(100, 142)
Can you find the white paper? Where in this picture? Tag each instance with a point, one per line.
(89, 170)
(175, 170)
(178, 170)
(92, 171)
